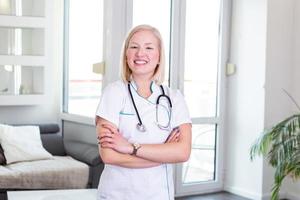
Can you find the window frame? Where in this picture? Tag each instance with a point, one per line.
(177, 81)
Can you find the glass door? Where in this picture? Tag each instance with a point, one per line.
(201, 83)
(193, 42)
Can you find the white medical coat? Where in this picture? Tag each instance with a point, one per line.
(154, 183)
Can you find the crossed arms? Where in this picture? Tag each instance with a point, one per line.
(114, 149)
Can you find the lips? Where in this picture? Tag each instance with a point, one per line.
(140, 62)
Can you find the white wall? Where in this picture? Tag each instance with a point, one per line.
(267, 56)
(49, 111)
(245, 97)
(279, 62)
(296, 70)
(293, 188)
(279, 65)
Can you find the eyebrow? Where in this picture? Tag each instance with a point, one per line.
(148, 43)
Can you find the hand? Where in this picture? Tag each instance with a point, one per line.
(103, 131)
(174, 136)
(114, 139)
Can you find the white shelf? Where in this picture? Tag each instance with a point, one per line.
(30, 68)
(22, 22)
(23, 60)
(22, 100)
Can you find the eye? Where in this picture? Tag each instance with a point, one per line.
(133, 47)
(149, 48)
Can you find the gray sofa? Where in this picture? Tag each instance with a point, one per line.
(82, 158)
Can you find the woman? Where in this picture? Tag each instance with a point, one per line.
(141, 125)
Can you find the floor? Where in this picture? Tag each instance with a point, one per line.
(214, 196)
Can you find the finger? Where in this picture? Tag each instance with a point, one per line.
(101, 143)
(106, 139)
(172, 135)
(175, 137)
(107, 145)
(99, 139)
(171, 138)
(104, 132)
(109, 125)
(175, 131)
(111, 128)
(105, 128)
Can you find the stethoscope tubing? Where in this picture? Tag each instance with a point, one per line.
(140, 125)
(135, 108)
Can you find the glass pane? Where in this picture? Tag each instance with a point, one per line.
(85, 54)
(21, 41)
(201, 56)
(32, 80)
(143, 13)
(21, 80)
(22, 7)
(201, 165)
(6, 80)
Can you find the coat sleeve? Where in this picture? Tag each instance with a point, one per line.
(111, 103)
(180, 113)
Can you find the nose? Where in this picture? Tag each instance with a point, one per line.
(140, 52)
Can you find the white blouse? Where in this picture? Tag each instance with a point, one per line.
(154, 183)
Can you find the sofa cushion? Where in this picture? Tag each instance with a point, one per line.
(84, 152)
(62, 172)
(2, 157)
(22, 143)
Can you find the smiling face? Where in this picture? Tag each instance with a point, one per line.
(142, 53)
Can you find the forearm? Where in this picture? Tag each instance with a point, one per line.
(169, 152)
(164, 153)
(173, 152)
(110, 156)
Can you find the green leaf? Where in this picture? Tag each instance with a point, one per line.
(280, 145)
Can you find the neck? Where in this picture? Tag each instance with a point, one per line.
(143, 86)
(142, 83)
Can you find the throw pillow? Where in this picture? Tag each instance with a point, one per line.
(22, 143)
(2, 157)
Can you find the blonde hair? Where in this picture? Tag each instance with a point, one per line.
(159, 72)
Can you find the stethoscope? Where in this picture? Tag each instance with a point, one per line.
(140, 126)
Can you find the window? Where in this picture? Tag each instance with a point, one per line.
(163, 24)
(202, 83)
(83, 55)
(192, 38)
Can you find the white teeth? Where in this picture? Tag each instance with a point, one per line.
(140, 62)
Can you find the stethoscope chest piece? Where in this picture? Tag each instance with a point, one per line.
(141, 127)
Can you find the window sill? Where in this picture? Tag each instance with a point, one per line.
(77, 118)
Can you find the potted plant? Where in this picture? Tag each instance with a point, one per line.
(280, 145)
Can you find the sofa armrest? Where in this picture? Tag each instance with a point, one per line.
(84, 152)
(53, 143)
